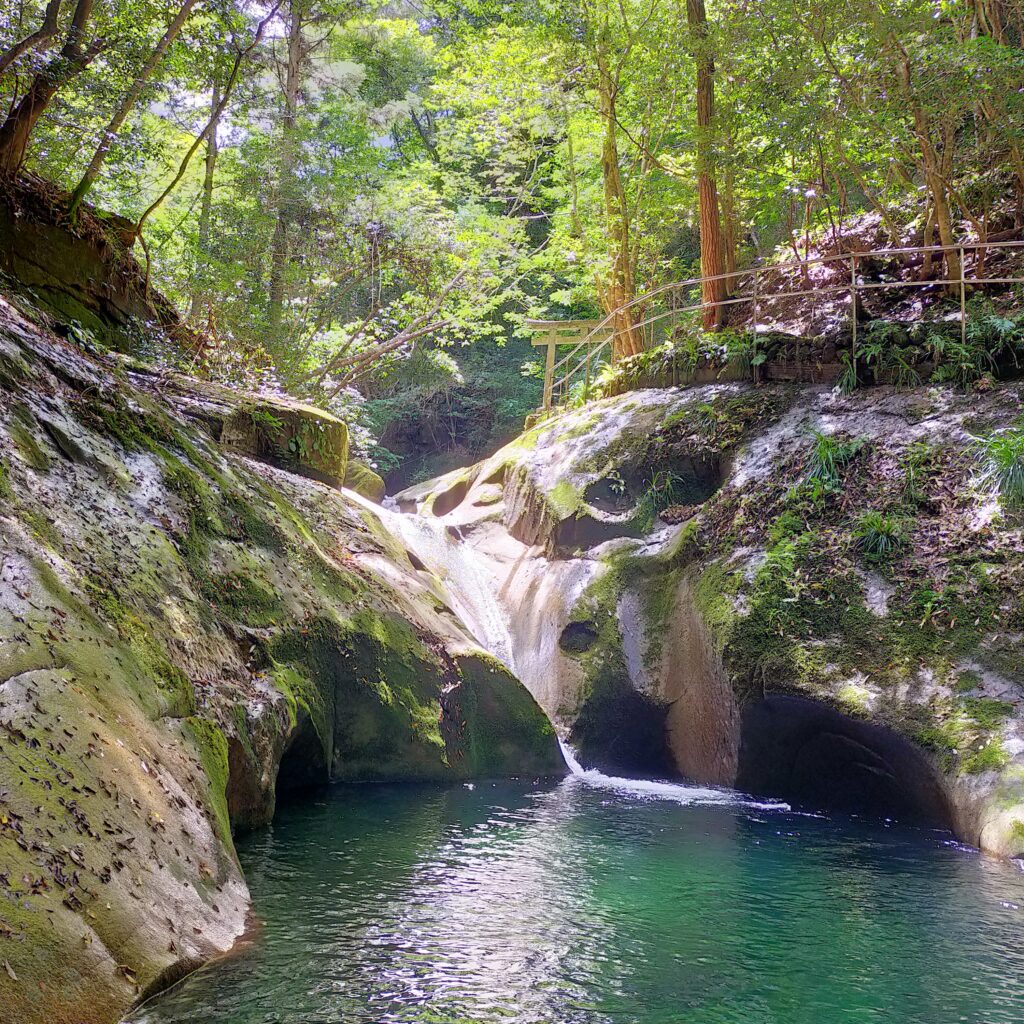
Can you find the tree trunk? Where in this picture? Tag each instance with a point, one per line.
(37, 39)
(280, 247)
(127, 105)
(199, 296)
(712, 246)
(73, 58)
(619, 288)
(933, 165)
(731, 225)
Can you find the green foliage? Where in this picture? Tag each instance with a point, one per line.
(665, 489)
(1002, 458)
(422, 183)
(879, 536)
(828, 457)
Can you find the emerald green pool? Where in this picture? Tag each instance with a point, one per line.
(583, 904)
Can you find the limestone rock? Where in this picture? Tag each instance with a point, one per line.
(745, 643)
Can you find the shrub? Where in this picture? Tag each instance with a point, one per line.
(879, 536)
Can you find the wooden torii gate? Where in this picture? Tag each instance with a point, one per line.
(552, 333)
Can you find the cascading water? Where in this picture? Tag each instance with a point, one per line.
(471, 588)
(651, 789)
(469, 585)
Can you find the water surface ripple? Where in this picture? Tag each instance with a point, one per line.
(571, 904)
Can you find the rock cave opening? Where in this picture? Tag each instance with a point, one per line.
(304, 762)
(813, 755)
(622, 732)
(673, 480)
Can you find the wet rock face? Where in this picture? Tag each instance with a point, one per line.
(192, 629)
(707, 597)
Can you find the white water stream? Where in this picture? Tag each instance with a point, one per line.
(472, 585)
(650, 789)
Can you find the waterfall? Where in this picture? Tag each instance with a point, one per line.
(471, 588)
(650, 789)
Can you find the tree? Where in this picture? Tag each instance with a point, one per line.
(712, 252)
(75, 55)
(131, 97)
(35, 40)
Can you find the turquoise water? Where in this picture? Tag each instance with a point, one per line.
(571, 904)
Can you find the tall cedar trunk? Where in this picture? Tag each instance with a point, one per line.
(712, 247)
(620, 286)
(128, 104)
(73, 58)
(199, 296)
(280, 247)
(731, 227)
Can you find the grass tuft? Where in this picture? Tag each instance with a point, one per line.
(1002, 458)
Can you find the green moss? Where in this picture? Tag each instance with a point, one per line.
(303, 694)
(41, 527)
(659, 602)
(6, 490)
(987, 712)
(14, 370)
(565, 499)
(493, 725)
(244, 598)
(854, 700)
(990, 758)
(211, 746)
(254, 527)
(946, 738)
(174, 689)
(375, 666)
(363, 480)
(21, 430)
(967, 682)
(713, 595)
(786, 527)
(241, 723)
(133, 430)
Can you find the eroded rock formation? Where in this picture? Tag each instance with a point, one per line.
(687, 591)
(191, 627)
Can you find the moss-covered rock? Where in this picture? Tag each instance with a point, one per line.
(696, 562)
(363, 480)
(190, 627)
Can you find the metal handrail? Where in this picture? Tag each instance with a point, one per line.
(595, 348)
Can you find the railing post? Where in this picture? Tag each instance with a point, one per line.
(963, 300)
(586, 376)
(549, 371)
(757, 368)
(853, 310)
